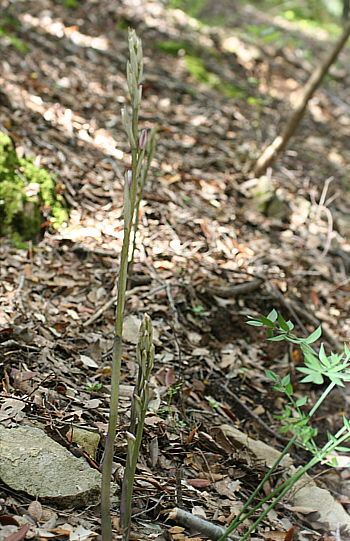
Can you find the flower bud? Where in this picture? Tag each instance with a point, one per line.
(128, 126)
(129, 177)
(143, 139)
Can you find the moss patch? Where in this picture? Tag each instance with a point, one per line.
(25, 192)
(7, 26)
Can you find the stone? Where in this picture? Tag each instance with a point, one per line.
(88, 440)
(32, 462)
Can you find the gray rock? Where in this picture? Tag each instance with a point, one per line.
(86, 439)
(32, 462)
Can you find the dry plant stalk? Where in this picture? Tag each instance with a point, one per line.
(270, 153)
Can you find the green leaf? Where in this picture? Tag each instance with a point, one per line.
(335, 380)
(342, 449)
(313, 378)
(272, 37)
(285, 380)
(331, 437)
(255, 323)
(285, 429)
(278, 338)
(282, 323)
(301, 401)
(272, 316)
(289, 389)
(269, 333)
(271, 375)
(313, 336)
(312, 361)
(266, 321)
(288, 411)
(323, 357)
(305, 370)
(290, 325)
(307, 348)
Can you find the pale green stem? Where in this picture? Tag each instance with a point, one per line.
(272, 505)
(106, 525)
(237, 520)
(122, 283)
(131, 474)
(139, 199)
(321, 399)
(287, 485)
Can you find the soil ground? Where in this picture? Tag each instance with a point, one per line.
(200, 229)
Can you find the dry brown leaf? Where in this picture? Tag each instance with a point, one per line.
(35, 509)
(199, 483)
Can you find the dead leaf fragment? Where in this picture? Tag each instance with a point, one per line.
(35, 509)
(81, 534)
(17, 536)
(131, 328)
(87, 361)
(12, 409)
(199, 483)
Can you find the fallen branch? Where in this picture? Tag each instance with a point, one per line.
(199, 524)
(235, 290)
(315, 80)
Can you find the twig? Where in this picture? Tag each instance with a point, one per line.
(100, 311)
(313, 83)
(108, 304)
(149, 509)
(199, 524)
(322, 206)
(234, 290)
(13, 342)
(256, 417)
(207, 465)
(178, 479)
(316, 323)
(171, 302)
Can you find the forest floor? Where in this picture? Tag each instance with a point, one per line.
(219, 95)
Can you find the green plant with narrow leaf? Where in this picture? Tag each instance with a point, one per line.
(135, 179)
(318, 367)
(145, 357)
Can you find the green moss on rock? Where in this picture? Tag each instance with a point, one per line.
(25, 190)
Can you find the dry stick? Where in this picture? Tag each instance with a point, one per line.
(235, 290)
(199, 524)
(315, 80)
(316, 322)
(254, 415)
(108, 304)
(322, 206)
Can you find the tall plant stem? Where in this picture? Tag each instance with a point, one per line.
(150, 154)
(106, 524)
(134, 75)
(130, 474)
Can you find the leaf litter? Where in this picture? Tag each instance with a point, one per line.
(201, 233)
